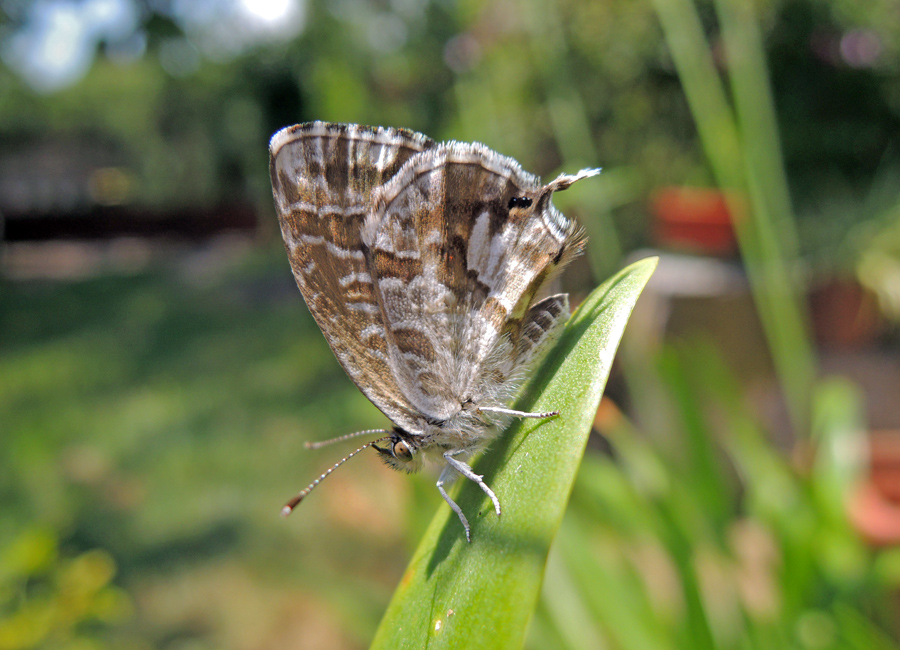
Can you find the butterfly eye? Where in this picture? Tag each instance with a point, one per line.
(402, 451)
(519, 202)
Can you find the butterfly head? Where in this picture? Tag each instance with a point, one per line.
(401, 451)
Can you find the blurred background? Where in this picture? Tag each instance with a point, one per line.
(159, 371)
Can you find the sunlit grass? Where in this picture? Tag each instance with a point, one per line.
(163, 420)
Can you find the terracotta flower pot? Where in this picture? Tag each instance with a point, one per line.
(875, 506)
(695, 220)
(844, 314)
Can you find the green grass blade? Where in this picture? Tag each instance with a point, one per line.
(742, 147)
(481, 595)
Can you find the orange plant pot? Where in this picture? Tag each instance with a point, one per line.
(695, 220)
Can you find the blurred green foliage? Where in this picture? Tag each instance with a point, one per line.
(163, 421)
(51, 602)
(160, 416)
(561, 83)
(877, 244)
(716, 542)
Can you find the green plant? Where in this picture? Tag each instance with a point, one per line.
(663, 549)
(738, 133)
(459, 595)
(48, 601)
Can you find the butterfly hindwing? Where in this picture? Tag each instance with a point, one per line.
(458, 243)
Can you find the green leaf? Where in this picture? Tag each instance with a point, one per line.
(460, 595)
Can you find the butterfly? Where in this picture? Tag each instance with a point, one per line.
(422, 263)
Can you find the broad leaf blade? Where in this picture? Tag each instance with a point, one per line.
(459, 595)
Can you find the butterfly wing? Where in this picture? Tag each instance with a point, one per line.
(456, 266)
(323, 177)
(540, 327)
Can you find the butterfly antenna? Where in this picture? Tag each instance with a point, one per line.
(293, 503)
(323, 443)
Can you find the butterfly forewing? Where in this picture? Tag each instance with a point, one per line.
(323, 176)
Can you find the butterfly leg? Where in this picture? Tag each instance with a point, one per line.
(518, 414)
(466, 471)
(448, 474)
